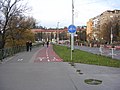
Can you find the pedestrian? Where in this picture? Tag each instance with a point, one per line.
(47, 43)
(43, 43)
(27, 46)
(30, 45)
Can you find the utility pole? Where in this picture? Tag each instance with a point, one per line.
(72, 12)
(111, 33)
(58, 32)
(111, 36)
(72, 34)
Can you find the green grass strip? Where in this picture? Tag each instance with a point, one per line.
(85, 57)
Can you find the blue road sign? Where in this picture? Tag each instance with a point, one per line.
(72, 29)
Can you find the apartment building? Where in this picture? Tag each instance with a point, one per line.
(104, 25)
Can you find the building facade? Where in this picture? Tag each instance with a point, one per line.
(58, 34)
(105, 27)
(49, 35)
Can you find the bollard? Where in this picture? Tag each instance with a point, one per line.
(112, 54)
(100, 49)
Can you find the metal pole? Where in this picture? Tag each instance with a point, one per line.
(100, 49)
(58, 32)
(72, 34)
(111, 36)
(72, 12)
(112, 54)
(72, 37)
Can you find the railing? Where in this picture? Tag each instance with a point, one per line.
(6, 52)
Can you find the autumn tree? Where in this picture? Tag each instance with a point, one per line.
(20, 34)
(110, 26)
(9, 11)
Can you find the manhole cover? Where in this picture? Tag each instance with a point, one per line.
(93, 81)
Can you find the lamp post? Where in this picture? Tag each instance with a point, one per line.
(58, 32)
(111, 32)
(72, 12)
(111, 36)
(72, 34)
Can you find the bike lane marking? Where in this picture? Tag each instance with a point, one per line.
(47, 55)
(53, 56)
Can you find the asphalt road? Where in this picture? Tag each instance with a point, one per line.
(105, 51)
(42, 69)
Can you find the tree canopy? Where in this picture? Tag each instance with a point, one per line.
(13, 23)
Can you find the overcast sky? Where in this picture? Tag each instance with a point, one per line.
(49, 12)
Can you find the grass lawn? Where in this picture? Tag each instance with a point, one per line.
(84, 57)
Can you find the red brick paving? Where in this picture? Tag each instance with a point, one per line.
(47, 55)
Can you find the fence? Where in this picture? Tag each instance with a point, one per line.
(6, 52)
(111, 52)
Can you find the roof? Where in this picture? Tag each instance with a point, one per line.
(47, 30)
(52, 30)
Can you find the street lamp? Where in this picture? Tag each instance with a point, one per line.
(58, 32)
(111, 33)
(72, 34)
(73, 12)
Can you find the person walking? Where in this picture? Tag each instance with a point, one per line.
(30, 45)
(27, 46)
(43, 43)
(47, 43)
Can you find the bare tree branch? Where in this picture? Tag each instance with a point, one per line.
(8, 10)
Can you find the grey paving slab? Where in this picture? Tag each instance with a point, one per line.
(27, 75)
(31, 76)
(109, 76)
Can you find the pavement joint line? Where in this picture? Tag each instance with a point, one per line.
(33, 57)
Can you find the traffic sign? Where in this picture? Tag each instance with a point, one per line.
(72, 29)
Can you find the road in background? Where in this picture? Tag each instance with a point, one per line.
(96, 50)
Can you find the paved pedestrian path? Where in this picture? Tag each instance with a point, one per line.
(42, 69)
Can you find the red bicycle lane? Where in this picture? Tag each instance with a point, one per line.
(46, 54)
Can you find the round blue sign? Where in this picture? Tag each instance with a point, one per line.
(72, 29)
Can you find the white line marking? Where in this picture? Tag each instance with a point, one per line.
(40, 58)
(54, 59)
(47, 55)
(20, 59)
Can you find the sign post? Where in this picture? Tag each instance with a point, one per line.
(72, 30)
